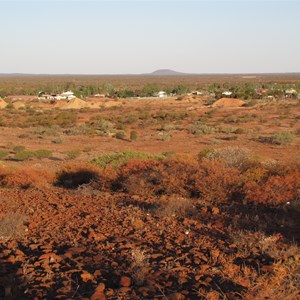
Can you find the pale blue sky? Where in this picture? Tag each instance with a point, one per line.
(119, 37)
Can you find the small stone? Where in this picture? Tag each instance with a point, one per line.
(86, 277)
(144, 291)
(100, 287)
(114, 264)
(97, 273)
(154, 256)
(52, 257)
(212, 295)
(98, 296)
(176, 296)
(215, 211)
(138, 224)
(125, 281)
(204, 210)
(245, 283)
(11, 259)
(33, 246)
(267, 268)
(124, 290)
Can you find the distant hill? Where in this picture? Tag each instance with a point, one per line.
(166, 72)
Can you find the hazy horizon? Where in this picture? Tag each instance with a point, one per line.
(131, 37)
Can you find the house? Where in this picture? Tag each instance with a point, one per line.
(69, 95)
(100, 95)
(161, 94)
(290, 93)
(197, 93)
(227, 93)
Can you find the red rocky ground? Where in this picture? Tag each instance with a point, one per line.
(86, 244)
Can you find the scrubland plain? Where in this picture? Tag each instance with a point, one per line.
(150, 198)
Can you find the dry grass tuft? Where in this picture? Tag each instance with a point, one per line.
(175, 206)
(139, 266)
(11, 226)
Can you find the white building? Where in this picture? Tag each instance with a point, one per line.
(161, 94)
(227, 93)
(291, 93)
(69, 95)
(197, 93)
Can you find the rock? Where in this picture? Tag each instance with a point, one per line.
(100, 287)
(154, 256)
(98, 296)
(76, 250)
(212, 296)
(97, 273)
(176, 296)
(267, 268)
(144, 291)
(99, 237)
(11, 259)
(138, 224)
(204, 210)
(124, 290)
(125, 281)
(33, 246)
(114, 264)
(245, 283)
(86, 276)
(51, 257)
(215, 211)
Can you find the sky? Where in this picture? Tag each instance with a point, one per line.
(122, 37)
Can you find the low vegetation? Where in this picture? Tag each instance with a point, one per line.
(120, 158)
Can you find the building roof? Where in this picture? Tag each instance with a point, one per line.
(227, 93)
(291, 91)
(68, 93)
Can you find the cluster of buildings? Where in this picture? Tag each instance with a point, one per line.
(288, 93)
(261, 93)
(69, 95)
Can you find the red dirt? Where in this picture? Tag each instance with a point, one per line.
(229, 102)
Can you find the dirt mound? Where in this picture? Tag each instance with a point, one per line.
(229, 102)
(75, 104)
(3, 104)
(18, 104)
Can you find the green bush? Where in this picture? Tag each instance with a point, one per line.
(233, 157)
(283, 138)
(19, 149)
(239, 131)
(102, 126)
(43, 153)
(199, 128)
(3, 153)
(120, 158)
(72, 154)
(133, 135)
(57, 140)
(24, 155)
(279, 138)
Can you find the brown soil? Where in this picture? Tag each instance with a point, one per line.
(3, 104)
(229, 102)
(74, 104)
